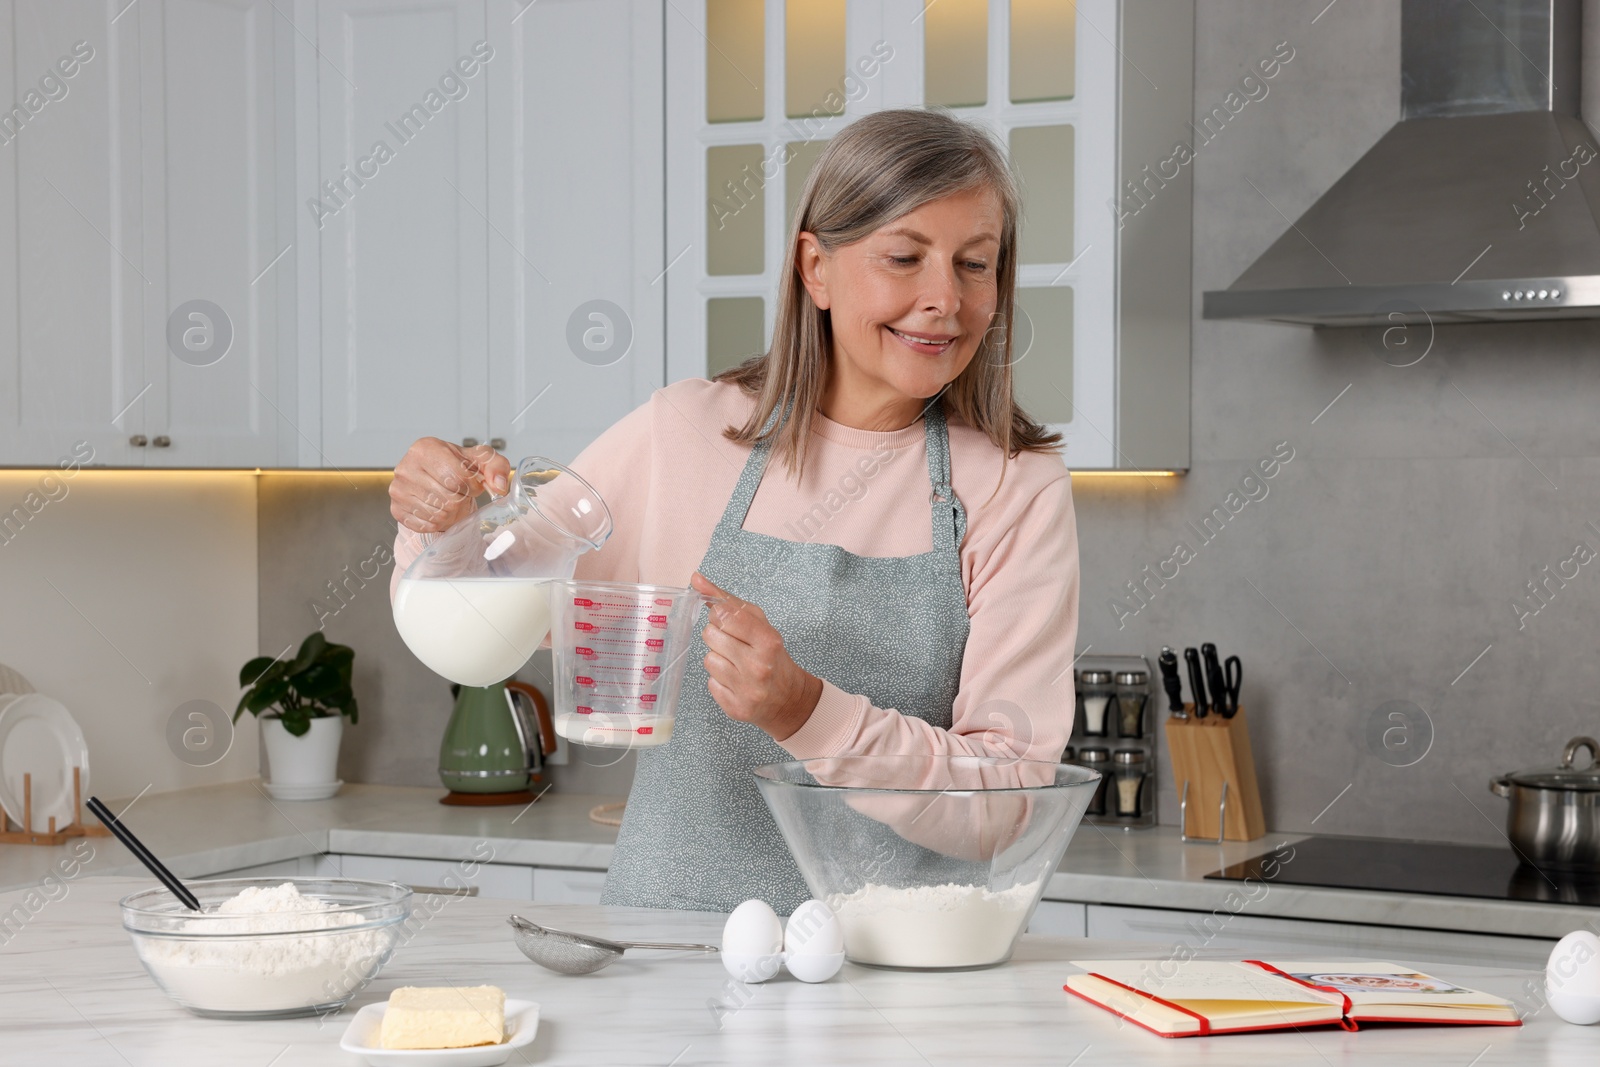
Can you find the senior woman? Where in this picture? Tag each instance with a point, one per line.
(904, 580)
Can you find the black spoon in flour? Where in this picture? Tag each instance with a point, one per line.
(142, 854)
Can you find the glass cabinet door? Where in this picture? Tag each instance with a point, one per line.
(777, 80)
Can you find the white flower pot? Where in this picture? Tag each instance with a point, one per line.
(308, 764)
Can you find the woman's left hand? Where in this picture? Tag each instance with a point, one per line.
(752, 677)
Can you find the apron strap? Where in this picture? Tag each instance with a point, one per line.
(744, 492)
(949, 516)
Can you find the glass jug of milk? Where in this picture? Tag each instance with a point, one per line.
(476, 603)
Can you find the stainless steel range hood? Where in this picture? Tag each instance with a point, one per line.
(1481, 204)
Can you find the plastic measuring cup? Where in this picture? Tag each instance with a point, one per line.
(476, 603)
(619, 655)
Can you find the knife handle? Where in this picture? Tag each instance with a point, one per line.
(1202, 707)
(1169, 678)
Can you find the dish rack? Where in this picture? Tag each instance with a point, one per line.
(54, 835)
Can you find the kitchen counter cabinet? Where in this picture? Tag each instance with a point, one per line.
(71, 973)
(1247, 935)
(1146, 885)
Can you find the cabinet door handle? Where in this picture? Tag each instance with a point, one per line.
(469, 442)
(497, 443)
(161, 441)
(444, 891)
(138, 440)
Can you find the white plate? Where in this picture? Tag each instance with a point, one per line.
(320, 791)
(361, 1038)
(39, 737)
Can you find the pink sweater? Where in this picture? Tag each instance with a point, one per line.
(666, 472)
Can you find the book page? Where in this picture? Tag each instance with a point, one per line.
(1368, 983)
(1205, 980)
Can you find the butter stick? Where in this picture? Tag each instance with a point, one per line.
(420, 1017)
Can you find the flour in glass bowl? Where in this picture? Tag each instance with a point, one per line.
(253, 973)
(948, 925)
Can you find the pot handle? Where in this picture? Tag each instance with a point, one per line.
(1500, 787)
(1570, 753)
(541, 714)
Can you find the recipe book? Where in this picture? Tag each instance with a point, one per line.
(1200, 997)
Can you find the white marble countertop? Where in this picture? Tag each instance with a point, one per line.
(73, 992)
(210, 829)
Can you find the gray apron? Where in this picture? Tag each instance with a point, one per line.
(696, 834)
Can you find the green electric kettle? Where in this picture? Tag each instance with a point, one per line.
(495, 744)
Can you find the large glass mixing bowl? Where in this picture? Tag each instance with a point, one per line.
(930, 862)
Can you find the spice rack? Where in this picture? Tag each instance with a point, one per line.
(1112, 733)
(1215, 775)
(54, 835)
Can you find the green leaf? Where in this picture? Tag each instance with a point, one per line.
(310, 649)
(351, 710)
(296, 724)
(318, 681)
(251, 672)
(263, 697)
(240, 710)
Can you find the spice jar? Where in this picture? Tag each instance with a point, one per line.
(1133, 692)
(1129, 771)
(1096, 690)
(1095, 758)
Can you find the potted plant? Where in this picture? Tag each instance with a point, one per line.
(301, 704)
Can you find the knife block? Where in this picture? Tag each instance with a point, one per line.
(1210, 756)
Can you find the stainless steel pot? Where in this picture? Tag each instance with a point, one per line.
(1555, 814)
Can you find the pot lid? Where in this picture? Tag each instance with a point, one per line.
(1566, 776)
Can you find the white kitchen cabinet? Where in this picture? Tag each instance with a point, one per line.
(216, 139)
(74, 274)
(559, 885)
(1056, 918)
(500, 880)
(576, 296)
(1223, 933)
(453, 273)
(399, 206)
(1101, 332)
(149, 177)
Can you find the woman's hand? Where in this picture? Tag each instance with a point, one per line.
(752, 677)
(436, 483)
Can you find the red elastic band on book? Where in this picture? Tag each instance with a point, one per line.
(1345, 1022)
(1205, 1024)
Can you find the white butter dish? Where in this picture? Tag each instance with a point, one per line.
(361, 1038)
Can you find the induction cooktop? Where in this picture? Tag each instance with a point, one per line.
(1419, 867)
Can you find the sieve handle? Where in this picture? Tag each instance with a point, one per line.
(668, 945)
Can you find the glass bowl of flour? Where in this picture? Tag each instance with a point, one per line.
(930, 862)
(267, 947)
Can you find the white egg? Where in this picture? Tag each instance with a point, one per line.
(1572, 978)
(752, 942)
(813, 930)
(813, 942)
